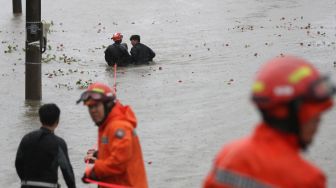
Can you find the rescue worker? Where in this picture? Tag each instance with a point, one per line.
(41, 152)
(141, 54)
(117, 53)
(291, 96)
(118, 159)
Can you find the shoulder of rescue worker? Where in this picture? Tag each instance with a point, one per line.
(120, 124)
(134, 48)
(309, 170)
(120, 129)
(31, 134)
(61, 141)
(306, 176)
(111, 47)
(234, 149)
(123, 112)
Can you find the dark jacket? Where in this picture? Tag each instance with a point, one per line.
(39, 155)
(141, 54)
(117, 54)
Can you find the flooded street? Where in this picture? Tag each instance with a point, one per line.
(190, 102)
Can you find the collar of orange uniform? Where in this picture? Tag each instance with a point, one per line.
(116, 110)
(279, 139)
(120, 112)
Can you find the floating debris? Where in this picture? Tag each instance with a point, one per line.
(81, 84)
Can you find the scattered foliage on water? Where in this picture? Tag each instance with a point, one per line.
(81, 84)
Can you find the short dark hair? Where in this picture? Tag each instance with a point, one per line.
(49, 114)
(135, 37)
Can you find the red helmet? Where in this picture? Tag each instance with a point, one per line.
(97, 92)
(117, 36)
(285, 79)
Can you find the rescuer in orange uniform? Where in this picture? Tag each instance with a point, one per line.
(118, 159)
(291, 96)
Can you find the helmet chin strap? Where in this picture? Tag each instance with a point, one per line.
(290, 124)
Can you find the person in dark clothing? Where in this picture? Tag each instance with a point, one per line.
(140, 53)
(41, 152)
(117, 53)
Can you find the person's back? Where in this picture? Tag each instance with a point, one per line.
(41, 152)
(140, 53)
(117, 53)
(267, 158)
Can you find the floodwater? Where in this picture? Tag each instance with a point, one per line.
(190, 102)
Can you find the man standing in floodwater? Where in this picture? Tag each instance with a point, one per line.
(41, 152)
(141, 54)
(117, 53)
(118, 159)
(291, 96)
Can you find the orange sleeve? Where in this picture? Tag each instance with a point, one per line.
(120, 151)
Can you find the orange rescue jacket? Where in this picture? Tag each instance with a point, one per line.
(120, 158)
(268, 158)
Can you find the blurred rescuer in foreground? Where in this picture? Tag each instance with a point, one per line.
(291, 96)
(118, 159)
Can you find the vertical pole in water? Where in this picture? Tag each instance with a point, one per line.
(17, 7)
(33, 50)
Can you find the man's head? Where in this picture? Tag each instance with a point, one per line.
(117, 37)
(49, 115)
(135, 39)
(100, 99)
(291, 95)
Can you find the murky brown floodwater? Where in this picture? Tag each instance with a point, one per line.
(208, 51)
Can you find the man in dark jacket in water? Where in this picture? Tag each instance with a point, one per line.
(117, 53)
(141, 54)
(41, 152)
